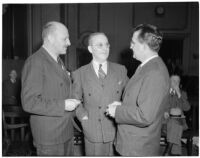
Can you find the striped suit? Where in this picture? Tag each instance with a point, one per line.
(96, 96)
(45, 86)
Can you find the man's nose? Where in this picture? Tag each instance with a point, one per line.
(68, 42)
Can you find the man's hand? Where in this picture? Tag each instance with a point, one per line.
(85, 117)
(177, 89)
(166, 115)
(111, 108)
(71, 104)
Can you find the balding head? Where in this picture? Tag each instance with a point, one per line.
(51, 28)
(55, 38)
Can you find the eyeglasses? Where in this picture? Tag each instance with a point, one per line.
(100, 45)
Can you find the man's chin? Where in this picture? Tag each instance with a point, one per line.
(64, 52)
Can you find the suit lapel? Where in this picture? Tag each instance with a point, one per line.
(110, 75)
(91, 76)
(133, 78)
(63, 74)
(139, 72)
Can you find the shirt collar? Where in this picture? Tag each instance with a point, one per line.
(147, 60)
(96, 66)
(13, 80)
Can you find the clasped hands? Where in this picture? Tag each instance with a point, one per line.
(175, 90)
(111, 108)
(71, 104)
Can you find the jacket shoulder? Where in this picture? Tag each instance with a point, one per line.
(116, 65)
(82, 69)
(37, 57)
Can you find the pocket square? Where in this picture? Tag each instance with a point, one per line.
(68, 73)
(120, 82)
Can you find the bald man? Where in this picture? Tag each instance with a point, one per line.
(46, 92)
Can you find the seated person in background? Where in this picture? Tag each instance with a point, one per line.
(175, 118)
(11, 89)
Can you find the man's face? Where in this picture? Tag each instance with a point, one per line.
(99, 48)
(175, 81)
(13, 74)
(61, 40)
(136, 46)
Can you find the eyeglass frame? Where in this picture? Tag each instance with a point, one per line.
(100, 45)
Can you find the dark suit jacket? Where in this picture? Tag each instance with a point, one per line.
(45, 86)
(140, 116)
(96, 96)
(11, 92)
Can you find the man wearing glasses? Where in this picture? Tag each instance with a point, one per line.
(98, 84)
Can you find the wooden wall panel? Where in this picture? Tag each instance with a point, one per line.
(193, 68)
(72, 23)
(36, 27)
(116, 22)
(87, 18)
(174, 18)
(41, 14)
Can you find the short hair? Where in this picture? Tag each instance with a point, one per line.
(150, 35)
(49, 28)
(92, 35)
(175, 76)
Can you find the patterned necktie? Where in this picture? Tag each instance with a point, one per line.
(101, 73)
(61, 63)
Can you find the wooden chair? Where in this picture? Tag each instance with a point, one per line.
(18, 120)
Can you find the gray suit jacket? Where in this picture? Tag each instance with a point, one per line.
(45, 86)
(96, 96)
(140, 116)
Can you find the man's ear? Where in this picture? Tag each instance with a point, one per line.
(50, 38)
(90, 49)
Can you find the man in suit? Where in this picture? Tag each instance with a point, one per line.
(98, 84)
(11, 90)
(139, 115)
(46, 89)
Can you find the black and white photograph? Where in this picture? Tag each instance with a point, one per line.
(100, 78)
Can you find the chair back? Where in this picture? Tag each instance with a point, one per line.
(19, 119)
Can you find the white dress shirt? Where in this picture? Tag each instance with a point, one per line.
(96, 67)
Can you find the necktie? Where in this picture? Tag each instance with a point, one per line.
(61, 63)
(101, 73)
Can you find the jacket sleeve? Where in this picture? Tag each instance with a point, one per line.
(33, 99)
(143, 111)
(125, 77)
(78, 94)
(185, 105)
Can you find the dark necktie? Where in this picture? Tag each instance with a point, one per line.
(61, 63)
(101, 73)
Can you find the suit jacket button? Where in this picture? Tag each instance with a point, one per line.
(61, 84)
(99, 107)
(117, 92)
(99, 119)
(89, 94)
